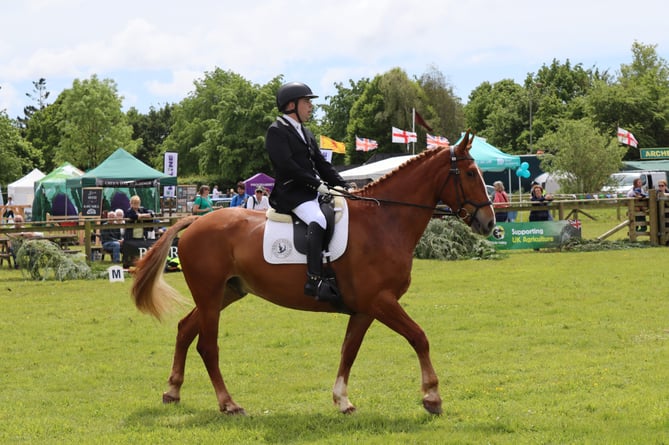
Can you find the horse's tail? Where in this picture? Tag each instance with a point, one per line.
(151, 293)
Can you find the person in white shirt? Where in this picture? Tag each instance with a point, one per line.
(258, 201)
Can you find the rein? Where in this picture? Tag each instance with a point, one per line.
(461, 213)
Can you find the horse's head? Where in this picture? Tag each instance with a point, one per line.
(464, 190)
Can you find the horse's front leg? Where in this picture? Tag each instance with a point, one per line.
(355, 332)
(186, 333)
(389, 312)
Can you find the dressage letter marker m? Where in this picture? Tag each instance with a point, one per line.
(116, 274)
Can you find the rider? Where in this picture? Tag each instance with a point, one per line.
(301, 174)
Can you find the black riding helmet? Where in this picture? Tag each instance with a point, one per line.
(291, 92)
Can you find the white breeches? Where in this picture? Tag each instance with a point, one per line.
(310, 211)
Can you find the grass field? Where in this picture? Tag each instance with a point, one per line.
(554, 348)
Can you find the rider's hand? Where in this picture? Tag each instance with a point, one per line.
(323, 189)
(338, 191)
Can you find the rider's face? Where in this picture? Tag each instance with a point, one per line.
(304, 108)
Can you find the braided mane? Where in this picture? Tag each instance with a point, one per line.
(425, 154)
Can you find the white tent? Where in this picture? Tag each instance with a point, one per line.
(374, 170)
(22, 191)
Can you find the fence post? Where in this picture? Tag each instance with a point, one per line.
(653, 216)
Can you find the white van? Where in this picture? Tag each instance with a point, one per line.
(621, 183)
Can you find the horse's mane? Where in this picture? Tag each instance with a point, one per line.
(418, 158)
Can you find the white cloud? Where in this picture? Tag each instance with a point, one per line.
(155, 50)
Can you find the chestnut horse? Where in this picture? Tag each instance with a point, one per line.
(222, 260)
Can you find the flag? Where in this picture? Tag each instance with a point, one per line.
(364, 144)
(337, 147)
(403, 137)
(436, 141)
(420, 121)
(627, 138)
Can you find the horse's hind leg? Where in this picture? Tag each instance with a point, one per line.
(186, 333)
(355, 332)
(207, 346)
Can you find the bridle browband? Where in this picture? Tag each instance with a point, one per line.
(453, 172)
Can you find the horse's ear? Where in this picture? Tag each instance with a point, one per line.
(467, 141)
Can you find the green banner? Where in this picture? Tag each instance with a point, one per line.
(534, 235)
(654, 153)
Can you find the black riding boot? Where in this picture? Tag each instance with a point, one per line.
(323, 288)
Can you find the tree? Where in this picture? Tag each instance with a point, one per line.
(445, 112)
(152, 129)
(581, 156)
(92, 123)
(337, 111)
(637, 101)
(18, 156)
(39, 95)
(220, 128)
(386, 102)
(43, 133)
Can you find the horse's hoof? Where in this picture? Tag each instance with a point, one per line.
(432, 407)
(349, 410)
(170, 399)
(233, 410)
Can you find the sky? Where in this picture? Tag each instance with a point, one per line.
(155, 50)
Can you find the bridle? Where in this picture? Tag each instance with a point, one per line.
(453, 172)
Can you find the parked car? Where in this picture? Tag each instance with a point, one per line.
(621, 183)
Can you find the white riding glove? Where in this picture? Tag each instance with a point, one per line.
(338, 191)
(323, 189)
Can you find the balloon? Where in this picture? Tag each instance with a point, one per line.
(523, 171)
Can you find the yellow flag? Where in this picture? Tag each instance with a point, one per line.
(337, 147)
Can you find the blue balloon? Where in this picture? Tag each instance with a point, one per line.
(524, 166)
(526, 174)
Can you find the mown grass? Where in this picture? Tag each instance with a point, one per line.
(534, 348)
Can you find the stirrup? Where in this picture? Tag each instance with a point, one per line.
(328, 290)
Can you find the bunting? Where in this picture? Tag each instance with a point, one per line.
(403, 136)
(331, 144)
(364, 144)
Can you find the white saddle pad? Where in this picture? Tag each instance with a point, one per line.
(278, 247)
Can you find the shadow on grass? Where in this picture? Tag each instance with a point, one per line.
(278, 427)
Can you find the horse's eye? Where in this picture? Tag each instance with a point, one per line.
(470, 174)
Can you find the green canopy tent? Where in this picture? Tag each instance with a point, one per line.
(53, 184)
(490, 158)
(123, 175)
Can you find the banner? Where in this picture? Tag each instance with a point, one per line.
(534, 235)
(170, 169)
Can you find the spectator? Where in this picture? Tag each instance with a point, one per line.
(258, 201)
(8, 211)
(215, 193)
(111, 237)
(239, 200)
(202, 204)
(662, 188)
(538, 198)
(637, 192)
(500, 200)
(136, 213)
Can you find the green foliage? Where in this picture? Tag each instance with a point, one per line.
(44, 260)
(17, 155)
(92, 124)
(220, 129)
(450, 239)
(579, 149)
(151, 129)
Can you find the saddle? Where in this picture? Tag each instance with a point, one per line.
(284, 243)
